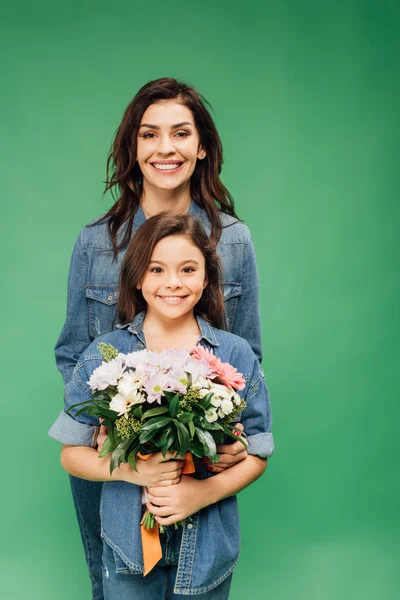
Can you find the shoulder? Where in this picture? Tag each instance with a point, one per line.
(120, 338)
(233, 347)
(233, 230)
(95, 234)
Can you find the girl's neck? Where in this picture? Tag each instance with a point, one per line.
(156, 200)
(170, 334)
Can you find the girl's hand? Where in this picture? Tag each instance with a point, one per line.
(175, 503)
(155, 471)
(229, 454)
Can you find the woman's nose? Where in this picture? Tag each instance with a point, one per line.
(165, 145)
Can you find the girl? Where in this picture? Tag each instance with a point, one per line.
(166, 155)
(170, 297)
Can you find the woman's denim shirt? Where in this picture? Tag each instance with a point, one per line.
(211, 541)
(94, 276)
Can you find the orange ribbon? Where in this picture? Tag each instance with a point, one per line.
(151, 544)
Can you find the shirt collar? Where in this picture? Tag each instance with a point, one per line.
(207, 332)
(194, 210)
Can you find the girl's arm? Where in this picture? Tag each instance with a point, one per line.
(190, 495)
(175, 503)
(83, 462)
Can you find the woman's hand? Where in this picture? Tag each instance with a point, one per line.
(155, 471)
(101, 438)
(175, 503)
(229, 454)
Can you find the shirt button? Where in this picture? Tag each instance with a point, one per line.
(190, 526)
(110, 297)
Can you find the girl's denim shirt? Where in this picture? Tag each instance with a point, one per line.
(94, 276)
(211, 540)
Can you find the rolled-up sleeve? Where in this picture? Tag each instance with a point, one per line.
(81, 430)
(257, 417)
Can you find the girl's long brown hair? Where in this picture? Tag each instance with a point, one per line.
(124, 177)
(138, 257)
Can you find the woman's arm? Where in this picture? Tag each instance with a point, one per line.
(247, 318)
(74, 337)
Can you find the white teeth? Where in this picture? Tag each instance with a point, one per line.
(166, 167)
(171, 299)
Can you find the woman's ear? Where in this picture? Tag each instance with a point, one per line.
(201, 153)
(205, 284)
(138, 286)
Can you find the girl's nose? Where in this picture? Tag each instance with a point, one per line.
(173, 282)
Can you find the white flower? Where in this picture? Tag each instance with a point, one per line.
(197, 368)
(211, 415)
(130, 382)
(202, 383)
(136, 359)
(120, 404)
(108, 373)
(226, 407)
(237, 399)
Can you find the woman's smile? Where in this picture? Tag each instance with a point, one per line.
(167, 167)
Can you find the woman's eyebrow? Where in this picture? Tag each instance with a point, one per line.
(176, 126)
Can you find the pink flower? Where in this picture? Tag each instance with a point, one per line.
(201, 353)
(227, 374)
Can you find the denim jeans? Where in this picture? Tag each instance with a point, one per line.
(86, 495)
(159, 583)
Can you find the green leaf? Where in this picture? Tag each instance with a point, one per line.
(89, 402)
(191, 429)
(132, 460)
(207, 440)
(234, 437)
(108, 448)
(197, 449)
(185, 417)
(117, 456)
(160, 410)
(206, 400)
(169, 395)
(164, 436)
(137, 413)
(174, 406)
(156, 423)
(183, 437)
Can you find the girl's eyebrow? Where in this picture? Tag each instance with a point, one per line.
(160, 262)
(176, 126)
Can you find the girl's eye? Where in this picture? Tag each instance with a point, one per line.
(155, 270)
(182, 134)
(188, 270)
(148, 135)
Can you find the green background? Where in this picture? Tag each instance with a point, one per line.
(306, 101)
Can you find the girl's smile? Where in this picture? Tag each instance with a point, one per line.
(175, 278)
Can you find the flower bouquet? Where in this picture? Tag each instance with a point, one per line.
(177, 401)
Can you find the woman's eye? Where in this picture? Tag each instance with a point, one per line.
(182, 134)
(188, 270)
(148, 135)
(156, 270)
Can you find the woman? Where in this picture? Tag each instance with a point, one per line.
(166, 155)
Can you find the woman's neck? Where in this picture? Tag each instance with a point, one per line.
(155, 200)
(170, 334)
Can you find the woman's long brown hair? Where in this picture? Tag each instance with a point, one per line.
(124, 177)
(138, 257)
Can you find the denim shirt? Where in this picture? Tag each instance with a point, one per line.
(94, 277)
(211, 541)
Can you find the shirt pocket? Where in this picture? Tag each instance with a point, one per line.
(102, 305)
(232, 293)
